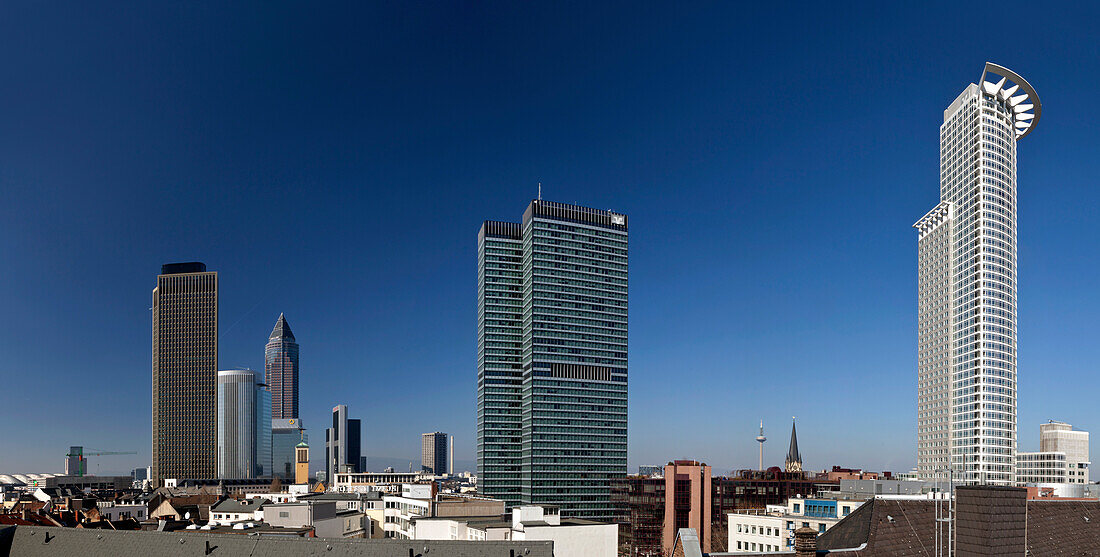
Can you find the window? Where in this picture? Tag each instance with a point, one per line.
(738, 544)
(790, 525)
(284, 514)
(846, 510)
(797, 508)
(805, 524)
(821, 528)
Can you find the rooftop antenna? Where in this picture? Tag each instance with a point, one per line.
(540, 191)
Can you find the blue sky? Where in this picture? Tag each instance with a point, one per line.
(334, 162)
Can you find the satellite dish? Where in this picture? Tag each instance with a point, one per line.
(187, 515)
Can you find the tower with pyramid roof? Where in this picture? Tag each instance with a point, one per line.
(281, 370)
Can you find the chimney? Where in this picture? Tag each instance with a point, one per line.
(805, 542)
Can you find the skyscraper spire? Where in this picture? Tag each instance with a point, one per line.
(794, 460)
(282, 329)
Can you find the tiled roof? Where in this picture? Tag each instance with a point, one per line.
(240, 506)
(28, 542)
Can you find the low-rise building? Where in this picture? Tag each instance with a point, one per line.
(773, 528)
(232, 511)
(1063, 458)
(322, 516)
(418, 501)
(376, 481)
(571, 537)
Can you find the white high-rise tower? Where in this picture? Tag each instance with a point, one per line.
(966, 393)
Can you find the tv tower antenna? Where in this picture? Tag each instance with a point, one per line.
(540, 191)
(760, 439)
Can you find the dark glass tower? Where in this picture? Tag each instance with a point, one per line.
(281, 367)
(552, 358)
(185, 373)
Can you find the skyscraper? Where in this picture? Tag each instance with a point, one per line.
(552, 357)
(433, 453)
(281, 369)
(966, 394)
(237, 409)
(185, 372)
(342, 444)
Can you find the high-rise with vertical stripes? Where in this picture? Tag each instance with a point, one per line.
(966, 378)
(185, 373)
(552, 358)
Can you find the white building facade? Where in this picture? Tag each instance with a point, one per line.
(966, 394)
(756, 531)
(1063, 457)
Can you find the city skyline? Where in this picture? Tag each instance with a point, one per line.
(728, 159)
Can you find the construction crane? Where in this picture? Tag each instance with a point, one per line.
(76, 463)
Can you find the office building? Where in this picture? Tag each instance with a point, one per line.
(263, 443)
(281, 369)
(285, 436)
(552, 358)
(688, 501)
(433, 453)
(966, 394)
(1063, 457)
(643, 503)
(240, 398)
(342, 443)
(185, 372)
(772, 529)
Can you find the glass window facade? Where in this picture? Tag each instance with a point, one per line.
(552, 358)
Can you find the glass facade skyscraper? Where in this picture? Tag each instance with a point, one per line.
(552, 358)
(237, 411)
(966, 393)
(281, 370)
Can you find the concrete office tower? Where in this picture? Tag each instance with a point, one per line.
(342, 444)
(285, 436)
(433, 453)
(552, 358)
(1063, 457)
(966, 393)
(185, 373)
(281, 369)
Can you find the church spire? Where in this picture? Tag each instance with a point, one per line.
(794, 460)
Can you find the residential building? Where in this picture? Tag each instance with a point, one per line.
(281, 370)
(368, 503)
(244, 425)
(185, 372)
(433, 453)
(1063, 457)
(323, 516)
(772, 529)
(966, 246)
(552, 358)
(231, 511)
(420, 501)
(572, 537)
(342, 443)
(285, 436)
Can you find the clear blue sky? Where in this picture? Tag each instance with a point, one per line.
(335, 162)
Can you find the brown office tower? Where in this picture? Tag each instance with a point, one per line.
(185, 373)
(687, 502)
